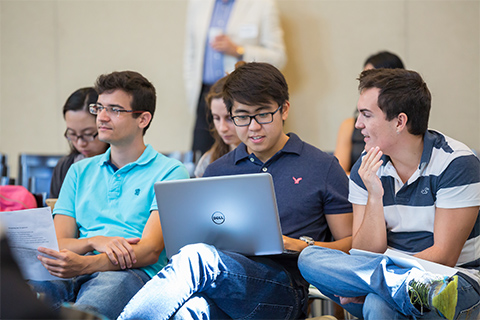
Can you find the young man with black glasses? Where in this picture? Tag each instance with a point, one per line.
(107, 226)
(311, 190)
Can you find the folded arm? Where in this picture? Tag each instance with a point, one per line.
(116, 253)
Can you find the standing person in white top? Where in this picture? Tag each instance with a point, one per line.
(218, 34)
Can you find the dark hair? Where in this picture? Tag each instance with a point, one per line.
(142, 91)
(80, 99)
(400, 91)
(255, 83)
(384, 59)
(219, 147)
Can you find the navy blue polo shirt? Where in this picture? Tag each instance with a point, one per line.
(309, 184)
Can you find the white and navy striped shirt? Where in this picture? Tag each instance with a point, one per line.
(448, 177)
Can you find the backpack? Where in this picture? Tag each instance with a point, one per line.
(16, 198)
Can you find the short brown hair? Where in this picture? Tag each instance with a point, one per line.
(142, 91)
(400, 91)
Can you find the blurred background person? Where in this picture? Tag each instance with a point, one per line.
(350, 144)
(81, 134)
(222, 128)
(218, 34)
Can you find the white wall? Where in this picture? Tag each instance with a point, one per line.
(48, 49)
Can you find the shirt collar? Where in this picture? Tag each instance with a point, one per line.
(429, 139)
(147, 155)
(293, 145)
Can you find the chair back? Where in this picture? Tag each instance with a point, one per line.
(3, 167)
(35, 172)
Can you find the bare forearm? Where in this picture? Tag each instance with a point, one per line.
(145, 255)
(371, 234)
(344, 244)
(79, 246)
(436, 254)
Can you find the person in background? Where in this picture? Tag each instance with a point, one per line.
(222, 129)
(350, 143)
(81, 134)
(218, 34)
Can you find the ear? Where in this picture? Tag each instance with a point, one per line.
(401, 124)
(285, 109)
(144, 119)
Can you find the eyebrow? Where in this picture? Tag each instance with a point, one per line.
(70, 130)
(257, 110)
(111, 105)
(364, 110)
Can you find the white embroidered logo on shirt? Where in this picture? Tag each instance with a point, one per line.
(425, 190)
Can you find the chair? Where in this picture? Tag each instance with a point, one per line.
(4, 171)
(35, 174)
(3, 165)
(322, 305)
(51, 203)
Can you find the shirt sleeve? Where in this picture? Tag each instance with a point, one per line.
(66, 199)
(357, 193)
(459, 184)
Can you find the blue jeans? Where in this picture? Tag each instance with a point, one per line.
(382, 282)
(203, 283)
(105, 293)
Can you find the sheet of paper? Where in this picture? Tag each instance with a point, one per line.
(27, 230)
(407, 261)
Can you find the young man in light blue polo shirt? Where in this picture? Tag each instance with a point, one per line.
(107, 226)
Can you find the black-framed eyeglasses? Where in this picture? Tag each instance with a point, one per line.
(87, 137)
(96, 108)
(261, 118)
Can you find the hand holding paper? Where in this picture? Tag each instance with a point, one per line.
(63, 264)
(27, 230)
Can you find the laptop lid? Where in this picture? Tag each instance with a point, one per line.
(234, 213)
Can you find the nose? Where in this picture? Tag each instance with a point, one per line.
(254, 125)
(81, 142)
(103, 116)
(223, 127)
(359, 124)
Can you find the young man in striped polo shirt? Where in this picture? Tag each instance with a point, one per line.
(414, 190)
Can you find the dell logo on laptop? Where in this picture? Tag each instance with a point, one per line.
(218, 217)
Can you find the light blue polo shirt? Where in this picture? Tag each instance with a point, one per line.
(105, 202)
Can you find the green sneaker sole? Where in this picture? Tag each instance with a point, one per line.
(446, 301)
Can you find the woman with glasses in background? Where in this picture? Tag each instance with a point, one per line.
(81, 134)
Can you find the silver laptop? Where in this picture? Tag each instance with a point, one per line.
(234, 213)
